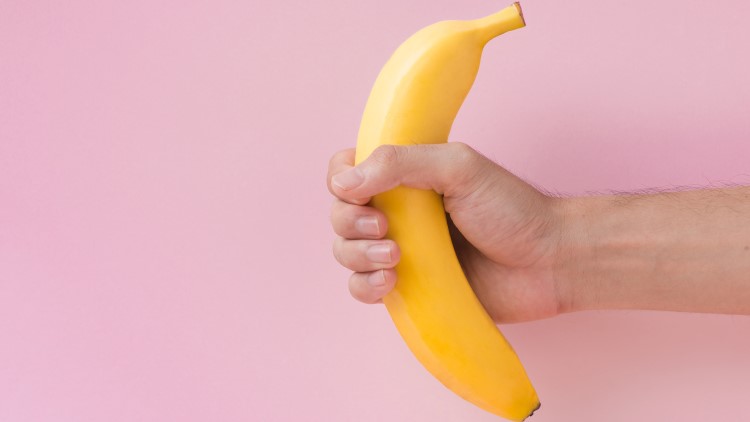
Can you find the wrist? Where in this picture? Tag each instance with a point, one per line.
(574, 256)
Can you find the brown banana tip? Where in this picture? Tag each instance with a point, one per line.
(520, 12)
(538, 405)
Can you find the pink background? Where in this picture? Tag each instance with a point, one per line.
(164, 238)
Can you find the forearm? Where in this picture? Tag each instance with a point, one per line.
(679, 251)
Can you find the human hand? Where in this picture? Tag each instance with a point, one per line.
(506, 233)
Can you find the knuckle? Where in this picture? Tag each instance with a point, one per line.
(465, 169)
(463, 152)
(386, 155)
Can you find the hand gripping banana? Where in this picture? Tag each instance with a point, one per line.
(415, 100)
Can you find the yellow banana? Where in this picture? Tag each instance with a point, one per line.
(415, 100)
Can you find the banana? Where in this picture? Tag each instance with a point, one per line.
(415, 100)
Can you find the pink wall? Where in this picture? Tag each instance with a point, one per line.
(164, 239)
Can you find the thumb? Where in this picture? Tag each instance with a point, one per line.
(449, 169)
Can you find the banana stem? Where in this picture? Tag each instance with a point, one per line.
(499, 23)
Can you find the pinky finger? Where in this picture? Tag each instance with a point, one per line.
(370, 287)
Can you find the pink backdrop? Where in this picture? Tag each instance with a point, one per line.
(164, 239)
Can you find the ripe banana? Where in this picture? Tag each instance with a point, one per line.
(415, 100)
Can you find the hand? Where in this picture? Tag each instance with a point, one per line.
(505, 232)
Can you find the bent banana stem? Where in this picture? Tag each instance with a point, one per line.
(501, 22)
(414, 100)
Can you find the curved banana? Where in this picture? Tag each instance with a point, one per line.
(415, 100)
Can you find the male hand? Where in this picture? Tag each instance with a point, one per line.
(506, 233)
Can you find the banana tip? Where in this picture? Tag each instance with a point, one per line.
(538, 405)
(520, 12)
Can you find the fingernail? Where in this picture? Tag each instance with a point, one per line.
(376, 278)
(379, 253)
(349, 179)
(367, 225)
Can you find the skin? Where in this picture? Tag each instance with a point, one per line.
(529, 255)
